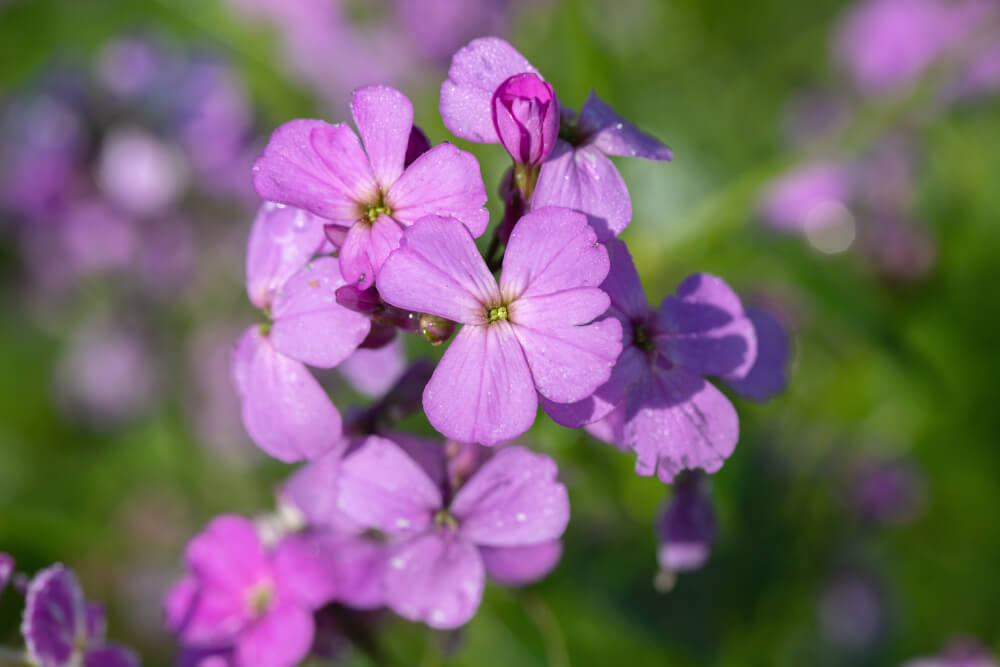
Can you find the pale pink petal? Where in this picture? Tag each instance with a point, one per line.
(281, 638)
(282, 241)
(443, 181)
(285, 410)
(302, 573)
(605, 398)
(585, 179)
(312, 489)
(611, 133)
(482, 390)
(623, 285)
(316, 166)
(204, 615)
(519, 566)
(384, 117)
(373, 372)
(476, 71)
(358, 565)
(309, 325)
(611, 428)
(675, 421)
(383, 488)
(769, 374)
(436, 578)
(704, 329)
(514, 499)
(438, 270)
(355, 261)
(551, 250)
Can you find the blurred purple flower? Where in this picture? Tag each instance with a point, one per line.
(62, 629)
(887, 490)
(7, 564)
(532, 335)
(240, 593)
(139, 172)
(809, 197)
(657, 402)
(371, 372)
(129, 66)
(851, 610)
(958, 653)
(438, 27)
(324, 169)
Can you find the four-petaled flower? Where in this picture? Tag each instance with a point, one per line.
(323, 169)
(533, 334)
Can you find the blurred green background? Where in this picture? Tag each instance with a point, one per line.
(881, 368)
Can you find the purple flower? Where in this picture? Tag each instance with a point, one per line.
(809, 197)
(962, 652)
(526, 118)
(687, 529)
(241, 594)
(61, 628)
(888, 490)
(578, 173)
(503, 521)
(6, 569)
(656, 402)
(285, 410)
(533, 334)
(768, 376)
(323, 169)
(140, 172)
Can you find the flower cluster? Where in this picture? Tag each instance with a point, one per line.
(368, 233)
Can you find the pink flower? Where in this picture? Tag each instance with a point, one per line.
(323, 169)
(656, 402)
(284, 409)
(239, 593)
(506, 521)
(533, 334)
(578, 173)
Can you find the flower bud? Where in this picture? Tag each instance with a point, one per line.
(687, 528)
(526, 118)
(417, 146)
(359, 300)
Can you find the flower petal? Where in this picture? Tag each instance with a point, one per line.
(383, 488)
(384, 117)
(769, 374)
(613, 135)
(312, 489)
(284, 409)
(358, 565)
(282, 241)
(438, 270)
(53, 619)
(110, 656)
(585, 179)
(302, 573)
(482, 390)
(519, 566)
(675, 420)
(623, 285)
(476, 71)
(228, 555)
(372, 373)
(705, 330)
(200, 615)
(443, 181)
(280, 639)
(514, 499)
(436, 578)
(316, 166)
(607, 397)
(309, 325)
(549, 251)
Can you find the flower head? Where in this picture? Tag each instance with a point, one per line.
(61, 628)
(324, 169)
(657, 402)
(578, 173)
(526, 118)
(238, 593)
(532, 334)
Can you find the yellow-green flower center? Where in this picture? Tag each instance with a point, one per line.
(443, 519)
(497, 313)
(259, 599)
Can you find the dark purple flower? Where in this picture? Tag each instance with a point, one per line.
(526, 118)
(62, 629)
(657, 402)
